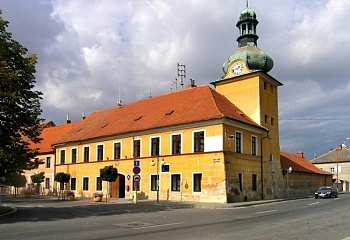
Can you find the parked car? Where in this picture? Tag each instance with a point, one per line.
(326, 191)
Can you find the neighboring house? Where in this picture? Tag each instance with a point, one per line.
(49, 134)
(198, 144)
(329, 161)
(304, 178)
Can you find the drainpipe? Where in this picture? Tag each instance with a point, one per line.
(262, 164)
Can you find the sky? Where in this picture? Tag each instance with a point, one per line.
(92, 53)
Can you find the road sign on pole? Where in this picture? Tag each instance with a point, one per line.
(136, 170)
(137, 178)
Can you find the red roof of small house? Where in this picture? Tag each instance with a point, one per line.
(298, 164)
(185, 106)
(50, 134)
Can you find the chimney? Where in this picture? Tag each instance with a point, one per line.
(83, 116)
(68, 121)
(192, 84)
(300, 154)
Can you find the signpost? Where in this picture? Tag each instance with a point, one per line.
(137, 178)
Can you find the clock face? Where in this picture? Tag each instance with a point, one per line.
(237, 68)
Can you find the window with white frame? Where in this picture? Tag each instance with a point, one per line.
(238, 142)
(47, 183)
(137, 148)
(176, 144)
(100, 152)
(98, 184)
(254, 182)
(48, 162)
(86, 154)
(332, 170)
(73, 155)
(198, 141)
(154, 182)
(117, 150)
(197, 182)
(175, 182)
(73, 184)
(85, 183)
(254, 145)
(155, 145)
(240, 181)
(63, 156)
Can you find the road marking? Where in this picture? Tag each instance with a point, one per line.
(313, 203)
(161, 225)
(266, 212)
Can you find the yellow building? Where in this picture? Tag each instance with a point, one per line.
(49, 134)
(197, 144)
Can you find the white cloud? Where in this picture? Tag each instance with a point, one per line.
(89, 51)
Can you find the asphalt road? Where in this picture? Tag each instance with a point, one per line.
(297, 219)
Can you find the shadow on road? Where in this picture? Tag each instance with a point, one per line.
(36, 210)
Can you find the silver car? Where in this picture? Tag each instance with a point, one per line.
(326, 191)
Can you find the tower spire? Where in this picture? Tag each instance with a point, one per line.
(247, 3)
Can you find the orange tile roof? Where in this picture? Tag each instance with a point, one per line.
(298, 164)
(50, 135)
(186, 106)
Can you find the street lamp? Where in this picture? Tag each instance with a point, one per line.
(289, 170)
(153, 163)
(342, 139)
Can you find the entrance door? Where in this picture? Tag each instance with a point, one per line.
(118, 187)
(121, 186)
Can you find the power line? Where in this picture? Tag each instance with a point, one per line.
(313, 119)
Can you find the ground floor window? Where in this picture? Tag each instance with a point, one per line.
(175, 182)
(85, 184)
(197, 182)
(61, 186)
(98, 184)
(47, 183)
(254, 182)
(73, 184)
(240, 181)
(154, 182)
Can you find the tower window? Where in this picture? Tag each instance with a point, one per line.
(266, 118)
(265, 85)
(272, 121)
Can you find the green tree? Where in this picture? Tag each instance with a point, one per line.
(16, 180)
(62, 178)
(38, 178)
(109, 174)
(19, 106)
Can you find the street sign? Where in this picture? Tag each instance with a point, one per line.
(136, 170)
(136, 163)
(137, 178)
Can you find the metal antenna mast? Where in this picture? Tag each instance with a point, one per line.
(181, 72)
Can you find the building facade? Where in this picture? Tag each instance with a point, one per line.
(336, 162)
(196, 144)
(50, 133)
(300, 176)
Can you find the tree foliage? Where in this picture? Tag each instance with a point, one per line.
(38, 177)
(16, 180)
(109, 173)
(19, 106)
(62, 177)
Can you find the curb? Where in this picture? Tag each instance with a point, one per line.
(13, 210)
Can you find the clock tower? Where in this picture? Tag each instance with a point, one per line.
(247, 84)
